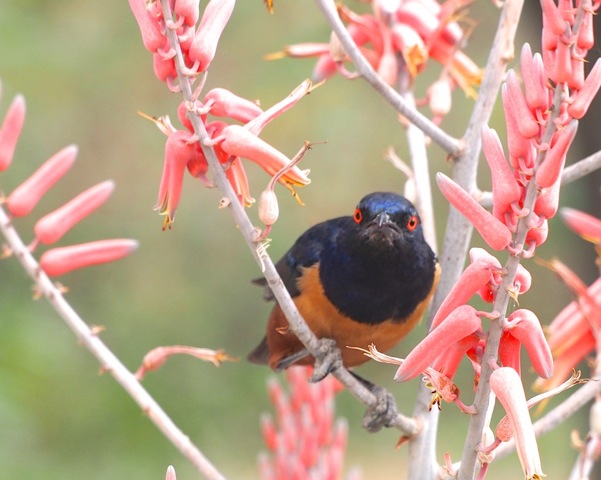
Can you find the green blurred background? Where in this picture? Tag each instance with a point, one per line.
(84, 73)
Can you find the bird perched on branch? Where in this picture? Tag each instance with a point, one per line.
(360, 279)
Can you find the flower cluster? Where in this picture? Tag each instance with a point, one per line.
(231, 122)
(411, 30)
(541, 119)
(573, 334)
(304, 442)
(53, 226)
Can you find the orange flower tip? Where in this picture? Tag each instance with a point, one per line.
(27, 195)
(62, 260)
(585, 225)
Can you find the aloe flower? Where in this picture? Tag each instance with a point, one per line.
(11, 130)
(61, 260)
(416, 31)
(304, 440)
(507, 386)
(27, 195)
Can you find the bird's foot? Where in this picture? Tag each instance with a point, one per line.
(382, 413)
(327, 359)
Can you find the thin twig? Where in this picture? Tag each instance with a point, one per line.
(108, 361)
(451, 145)
(581, 168)
(296, 323)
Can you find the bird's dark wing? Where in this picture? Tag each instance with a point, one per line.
(305, 252)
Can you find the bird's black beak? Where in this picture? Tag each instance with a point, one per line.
(382, 218)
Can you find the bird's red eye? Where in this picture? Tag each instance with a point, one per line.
(412, 223)
(358, 216)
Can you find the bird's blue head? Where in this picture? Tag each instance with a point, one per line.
(387, 217)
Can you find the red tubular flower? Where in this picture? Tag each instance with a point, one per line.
(494, 233)
(187, 11)
(204, 45)
(11, 130)
(532, 70)
(505, 188)
(507, 386)
(238, 141)
(478, 274)
(585, 225)
(27, 195)
(526, 122)
(150, 29)
(524, 325)
(223, 103)
(583, 98)
(548, 171)
(58, 261)
(510, 352)
(51, 228)
(461, 323)
(180, 149)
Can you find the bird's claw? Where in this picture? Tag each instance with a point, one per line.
(382, 413)
(327, 359)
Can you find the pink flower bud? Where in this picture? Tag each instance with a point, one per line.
(552, 18)
(420, 17)
(562, 68)
(187, 11)
(224, 103)
(526, 122)
(439, 96)
(26, 196)
(548, 200)
(51, 228)
(583, 98)
(11, 130)
(268, 207)
(240, 142)
(537, 94)
(586, 34)
(525, 326)
(152, 37)
(164, 67)
(585, 225)
(494, 233)
(170, 474)
(507, 386)
(58, 261)
(473, 278)
(517, 144)
(204, 45)
(462, 322)
(505, 188)
(550, 168)
(257, 124)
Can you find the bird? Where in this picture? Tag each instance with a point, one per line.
(359, 279)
